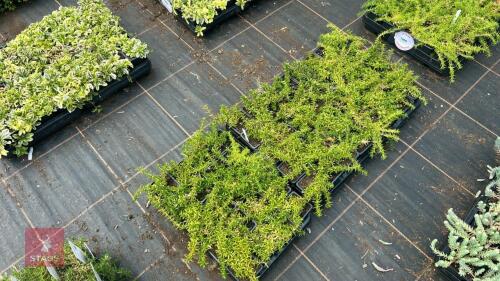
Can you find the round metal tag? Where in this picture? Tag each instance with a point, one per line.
(404, 41)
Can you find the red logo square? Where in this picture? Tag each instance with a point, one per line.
(44, 246)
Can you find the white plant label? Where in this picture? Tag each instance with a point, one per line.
(167, 5)
(88, 249)
(52, 271)
(79, 254)
(457, 14)
(404, 41)
(30, 154)
(96, 275)
(245, 135)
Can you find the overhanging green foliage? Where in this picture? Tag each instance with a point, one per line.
(341, 102)
(60, 63)
(475, 250)
(74, 270)
(9, 5)
(440, 25)
(202, 12)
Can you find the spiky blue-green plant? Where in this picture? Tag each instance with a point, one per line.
(475, 250)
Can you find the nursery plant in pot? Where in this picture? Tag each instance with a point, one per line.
(240, 132)
(77, 57)
(440, 34)
(472, 252)
(79, 265)
(202, 16)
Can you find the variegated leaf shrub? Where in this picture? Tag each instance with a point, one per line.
(344, 100)
(58, 63)
(453, 28)
(202, 12)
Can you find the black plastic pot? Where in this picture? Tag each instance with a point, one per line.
(363, 152)
(408, 112)
(171, 181)
(281, 166)
(319, 52)
(423, 53)
(306, 213)
(237, 132)
(61, 118)
(337, 181)
(231, 10)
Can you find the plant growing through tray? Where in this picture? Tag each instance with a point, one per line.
(314, 119)
(475, 249)
(74, 270)
(323, 109)
(453, 28)
(221, 189)
(60, 63)
(202, 12)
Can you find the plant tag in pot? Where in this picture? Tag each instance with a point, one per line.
(404, 41)
(167, 5)
(77, 252)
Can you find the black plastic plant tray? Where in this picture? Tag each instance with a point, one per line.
(231, 10)
(61, 118)
(318, 52)
(362, 155)
(259, 271)
(337, 181)
(306, 219)
(423, 53)
(451, 272)
(306, 216)
(408, 112)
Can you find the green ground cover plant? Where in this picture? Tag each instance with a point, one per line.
(342, 101)
(222, 191)
(314, 118)
(202, 12)
(475, 249)
(453, 28)
(74, 270)
(9, 5)
(58, 63)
